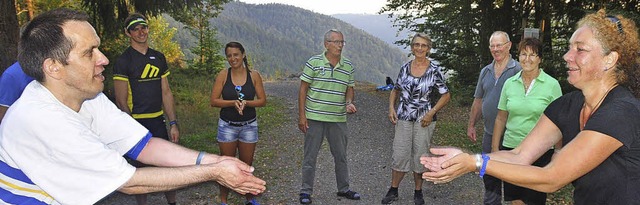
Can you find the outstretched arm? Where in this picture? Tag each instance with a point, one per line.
(580, 156)
(176, 169)
(228, 171)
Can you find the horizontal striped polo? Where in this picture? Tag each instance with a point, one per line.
(325, 99)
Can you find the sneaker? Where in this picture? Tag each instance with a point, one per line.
(390, 197)
(349, 195)
(251, 202)
(418, 198)
(305, 198)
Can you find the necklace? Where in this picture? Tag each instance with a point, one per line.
(583, 117)
(528, 83)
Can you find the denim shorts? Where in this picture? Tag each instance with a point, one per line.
(229, 133)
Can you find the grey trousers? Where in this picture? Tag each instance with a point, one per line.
(492, 185)
(336, 134)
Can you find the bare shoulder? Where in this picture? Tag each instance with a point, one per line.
(255, 74)
(222, 74)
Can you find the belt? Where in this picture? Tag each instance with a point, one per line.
(239, 124)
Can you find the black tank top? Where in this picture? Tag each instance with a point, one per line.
(229, 93)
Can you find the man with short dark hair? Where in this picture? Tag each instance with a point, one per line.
(142, 89)
(63, 141)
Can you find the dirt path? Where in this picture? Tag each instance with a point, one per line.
(370, 141)
(369, 158)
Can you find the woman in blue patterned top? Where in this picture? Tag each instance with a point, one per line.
(415, 116)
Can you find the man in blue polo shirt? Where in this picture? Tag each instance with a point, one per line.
(12, 83)
(485, 102)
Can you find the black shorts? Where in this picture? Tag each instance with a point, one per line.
(528, 196)
(158, 128)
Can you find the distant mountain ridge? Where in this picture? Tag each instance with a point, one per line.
(379, 25)
(280, 38)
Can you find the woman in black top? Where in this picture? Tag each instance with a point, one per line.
(237, 91)
(600, 124)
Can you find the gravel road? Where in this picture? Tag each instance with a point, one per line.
(369, 156)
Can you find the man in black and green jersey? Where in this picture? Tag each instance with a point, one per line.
(142, 89)
(325, 98)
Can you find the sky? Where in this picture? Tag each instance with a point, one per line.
(330, 7)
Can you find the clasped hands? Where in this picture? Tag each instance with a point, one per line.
(240, 105)
(424, 121)
(445, 164)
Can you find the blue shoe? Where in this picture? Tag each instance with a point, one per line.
(252, 202)
(305, 198)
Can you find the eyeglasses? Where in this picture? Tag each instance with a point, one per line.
(616, 21)
(419, 45)
(530, 56)
(240, 95)
(498, 45)
(338, 42)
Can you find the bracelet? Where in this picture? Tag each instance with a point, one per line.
(349, 103)
(478, 162)
(200, 156)
(174, 122)
(485, 159)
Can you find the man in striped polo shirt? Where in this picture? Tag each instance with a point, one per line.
(325, 98)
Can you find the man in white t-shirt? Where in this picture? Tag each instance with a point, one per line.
(63, 141)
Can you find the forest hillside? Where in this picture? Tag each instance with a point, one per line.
(280, 38)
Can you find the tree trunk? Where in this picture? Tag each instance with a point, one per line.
(488, 27)
(30, 9)
(9, 33)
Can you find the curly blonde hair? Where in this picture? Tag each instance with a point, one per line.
(619, 34)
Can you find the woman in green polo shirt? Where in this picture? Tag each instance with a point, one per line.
(523, 99)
